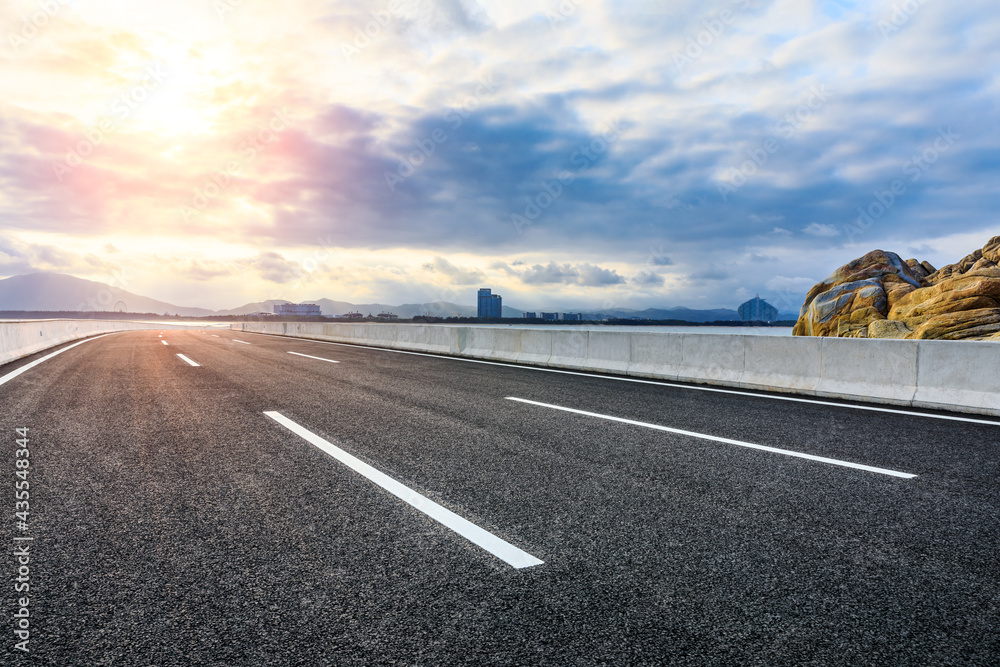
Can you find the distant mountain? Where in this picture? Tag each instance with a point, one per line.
(57, 291)
(332, 308)
(406, 310)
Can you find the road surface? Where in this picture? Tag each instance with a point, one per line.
(226, 498)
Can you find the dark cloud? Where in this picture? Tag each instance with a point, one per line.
(587, 275)
(647, 279)
(595, 276)
(552, 273)
(709, 274)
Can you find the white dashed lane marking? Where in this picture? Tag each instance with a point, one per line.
(738, 443)
(505, 551)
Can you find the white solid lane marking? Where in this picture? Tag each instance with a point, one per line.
(215, 336)
(660, 383)
(240, 341)
(505, 551)
(775, 450)
(193, 363)
(13, 374)
(309, 356)
(165, 342)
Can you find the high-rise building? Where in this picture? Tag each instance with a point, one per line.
(483, 303)
(757, 310)
(489, 304)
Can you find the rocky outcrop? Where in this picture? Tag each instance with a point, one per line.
(882, 296)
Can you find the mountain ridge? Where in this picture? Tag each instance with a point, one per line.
(50, 291)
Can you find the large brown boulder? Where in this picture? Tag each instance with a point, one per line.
(843, 309)
(976, 324)
(881, 296)
(969, 291)
(854, 295)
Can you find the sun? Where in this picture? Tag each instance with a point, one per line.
(180, 91)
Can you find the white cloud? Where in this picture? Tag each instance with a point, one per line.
(817, 229)
(273, 267)
(458, 275)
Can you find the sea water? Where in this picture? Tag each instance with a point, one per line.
(748, 331)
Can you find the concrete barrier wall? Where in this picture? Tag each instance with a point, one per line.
(949, 375)
(967, 374)
(23, 337)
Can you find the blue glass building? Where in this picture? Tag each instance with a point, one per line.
(757, 310)
(489, 304)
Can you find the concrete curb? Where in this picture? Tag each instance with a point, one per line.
(946, 375)
(20, 338)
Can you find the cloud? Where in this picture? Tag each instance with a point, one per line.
(647, 279)
(710, 273)
(658, 257)
(595, 276)
(552, 273)
(825, 231)
(587, 275)
(340, 119)
(787, 294)
(273, 267)
(921, 250)
(486, 112)
(802, 284)
(458, 275)
(203, 270)
(18, 257)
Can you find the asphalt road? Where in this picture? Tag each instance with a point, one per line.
(173, 522)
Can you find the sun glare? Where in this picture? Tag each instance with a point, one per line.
(177, 91)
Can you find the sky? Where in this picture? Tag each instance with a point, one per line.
(569, 154)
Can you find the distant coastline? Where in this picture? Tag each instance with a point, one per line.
(721, 326)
